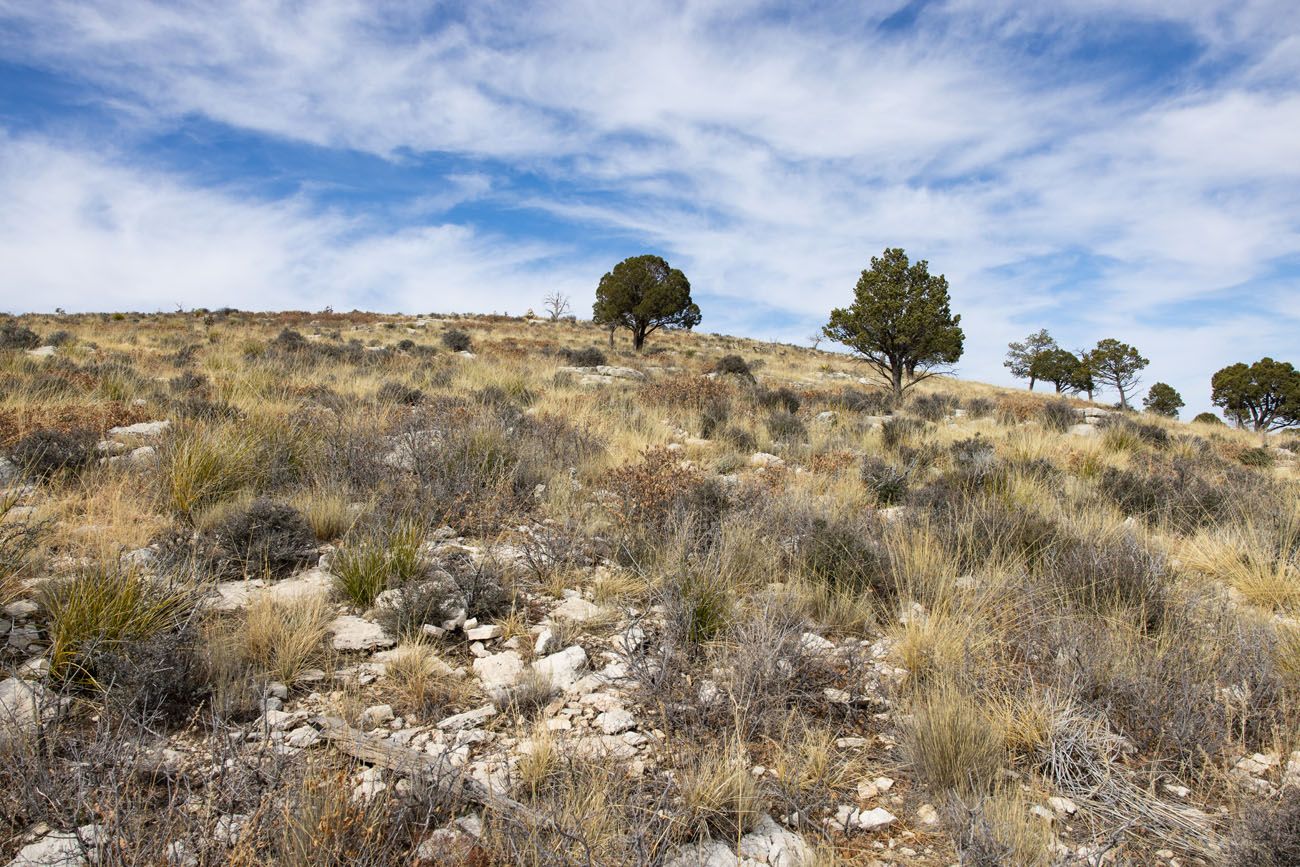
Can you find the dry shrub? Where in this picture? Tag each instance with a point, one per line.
(998, 829)
(49, 453)
(688, 392)
(267, 539)
(17, 422)
(1015, 409)
(1268, 834)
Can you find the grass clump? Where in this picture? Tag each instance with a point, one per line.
(282, 638)
(204, 465)
(954, 745)
(103, 610)
(373, 561)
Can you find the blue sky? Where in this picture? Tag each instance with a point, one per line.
(1100, 168)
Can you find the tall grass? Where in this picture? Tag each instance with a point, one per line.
(374, 561)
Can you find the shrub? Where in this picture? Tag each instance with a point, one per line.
(1121, 433)
(399, 394)
(365, 566)
(1268, 834)
(691, 392)
(714, 417)
(841, 556)
(1258, 457)
(900, 430)
(739, 439)
(1105, 576)
(46, 453)
(886, 481)
(60, 338)
(779, 398)
(874, 402)
(188, 382)
(15, 336)
(103, 610)
(267, 539)
(1208, 418)
(1057, 415)
(979, 407)
(589, 357)
(933, 407)
(1166, 492)
(456, 340)
(18, 541)
(733, 365)
(785, 427)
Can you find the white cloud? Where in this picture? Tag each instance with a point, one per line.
(770, 155)
(82, 233)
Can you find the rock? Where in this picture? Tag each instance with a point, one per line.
(22, 609)
(356, 633)
(445, 847)
(302, 737)
(1082, 430)
(42, 351)
(59, 849)
(562, 668)
(768, 843)
(229, 828)
(8, 471)
(433, 631)
(616, 721)
(24, 707)
(546, 641)
(1257, 764)
(145, 456)
(483, 633)
(811, 642)
(1291, 774)
(141, 429)
(376, 715)
(710, 853)
(765, 459)
(575, 609)
(1063, 806)
(500, 671)
(370, 783)
(1043, 813)
(927, 815)
(470, 719)
(873, 819)
(829, 417)
(1176, 790)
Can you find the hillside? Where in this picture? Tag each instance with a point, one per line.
(367, 589)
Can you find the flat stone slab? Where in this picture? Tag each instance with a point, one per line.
(356, 633)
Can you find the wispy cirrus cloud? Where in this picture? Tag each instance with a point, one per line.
(1101, 168)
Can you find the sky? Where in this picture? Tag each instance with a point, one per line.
(1099, 168)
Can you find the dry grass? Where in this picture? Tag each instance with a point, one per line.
(283, 638)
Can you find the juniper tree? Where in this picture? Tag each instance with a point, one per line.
(1024, 356)
(1117, 365)
(900, 321)
(1162, 399)
(644, 294)
(1266, 393)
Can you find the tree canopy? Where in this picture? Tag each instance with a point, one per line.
(1118, 365)
(1164, 400)
(900, 321)
(1024, 357)
(644, 294)
(1266, 394)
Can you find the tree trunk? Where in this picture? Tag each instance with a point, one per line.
(896, 378)
(1031, 383)
(638, 338)
(1123, 399)
(1058, 387)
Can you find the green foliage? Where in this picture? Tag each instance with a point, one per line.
(1060, 367)
(368, 565)
(900, 321)
(1266, 394)
(1117, 365)
(1162, 399)
(644, 294)
(102, 610)
(1023, 357)
(1207, 418)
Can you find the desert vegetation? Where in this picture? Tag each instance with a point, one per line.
(320, 588)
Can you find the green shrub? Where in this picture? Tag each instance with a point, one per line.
(886, 481)
(1208, 418)
(933, 407)
(15, 336)
(456, 340)
(733, 365)
(589, 357)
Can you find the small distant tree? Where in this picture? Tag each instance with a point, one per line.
(1117, 365)
(1266, 394)
(1162, 399)
(1208, 418)
(556, 304)
(1025, 357)
(1081, 379)
(644, 294)
(900, 321)
(1057, 366)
